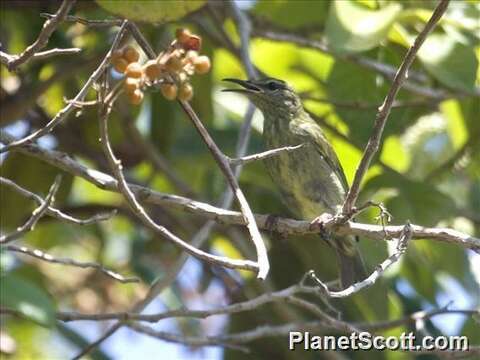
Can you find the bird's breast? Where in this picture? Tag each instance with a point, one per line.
(307, 184)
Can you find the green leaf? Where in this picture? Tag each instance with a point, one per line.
(450, 62)
(27, 298)
(414, 201)
(151, 11)
(293, 14)
(352, 28)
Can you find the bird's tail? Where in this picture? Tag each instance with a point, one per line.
(350, 262)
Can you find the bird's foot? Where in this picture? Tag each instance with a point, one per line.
(271, 226)
(319, 223)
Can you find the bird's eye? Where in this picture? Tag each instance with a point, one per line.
(272, 85)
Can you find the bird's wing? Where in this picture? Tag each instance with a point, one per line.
(311, 132)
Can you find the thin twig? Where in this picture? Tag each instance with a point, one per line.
(87, 22)
(384, 110)
(54, 212)
(262, 156)
(70, 262)
(55, 52)
(62, 114)
(375, 275)
(36, 214)
(48, 28)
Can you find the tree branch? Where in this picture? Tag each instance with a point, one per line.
(223, 216)
(62, 114)
(14, 61)
(54, 212)
(384, 110)
(70, 262)
(36, 215)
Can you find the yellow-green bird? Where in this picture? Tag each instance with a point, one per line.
(310, 178)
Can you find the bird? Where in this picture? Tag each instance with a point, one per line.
(310, 178)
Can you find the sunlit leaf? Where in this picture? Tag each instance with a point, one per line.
(27, 298)
(352, 28)
(450, 62)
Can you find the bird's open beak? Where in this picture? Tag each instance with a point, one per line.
(247, 86)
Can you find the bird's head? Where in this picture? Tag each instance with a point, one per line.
(268, 94)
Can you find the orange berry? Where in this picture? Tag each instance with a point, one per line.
(201, 64)
(185, 93)
(117, 54)
(174, 64)
(120, 65)
(131, 84)
(194, 42)
(130, 54)
(152, 69)
(134, 70)
(135, 97)
(169, 91)
(182, 35)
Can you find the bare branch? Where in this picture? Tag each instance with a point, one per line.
(62, 114)
(14, 61)
(36, 215)
(54, 212)
(384, 110)
(223, 216)
(55, 52)
(70, 262)
(262, 156)
(87, 22)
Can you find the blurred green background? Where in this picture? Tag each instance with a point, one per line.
(427, 170)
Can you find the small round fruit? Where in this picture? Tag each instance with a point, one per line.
(185, 93)
(117, 54)
(201, 64)
(169, 91)
(152, 69)
(134, 70)
(174, 64)
(182, 35)
(120, 65)
(130, 54)
(131, 84)
(135, 97)
(194, 42)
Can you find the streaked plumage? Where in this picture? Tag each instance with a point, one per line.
(311, 179)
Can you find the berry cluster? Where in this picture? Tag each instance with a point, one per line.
(172, 69)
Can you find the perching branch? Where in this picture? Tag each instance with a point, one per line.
(384, 110)
(14, 61)
(36, 214)
(70, 262)
(222, 216)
